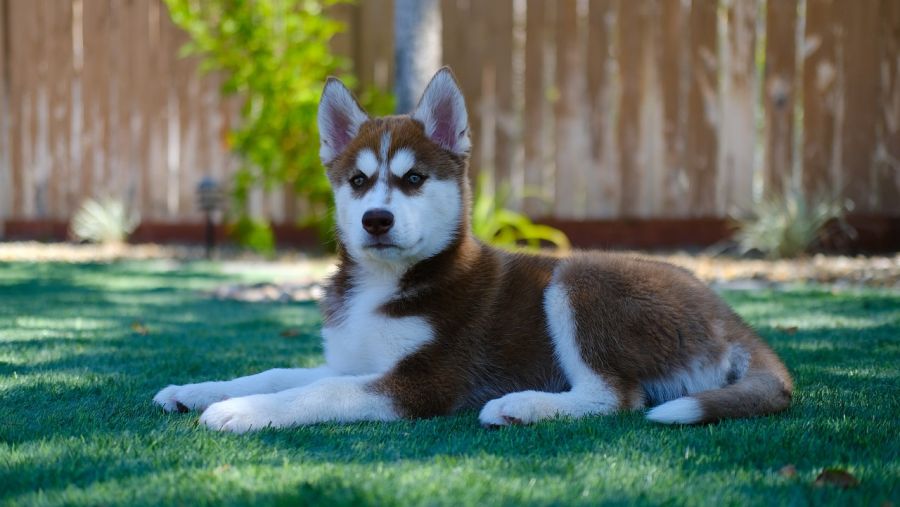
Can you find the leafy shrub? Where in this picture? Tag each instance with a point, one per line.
(275, 54)
(789, 223)
(493, 223)
(106, 222)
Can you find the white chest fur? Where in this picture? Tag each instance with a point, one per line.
(365, 340)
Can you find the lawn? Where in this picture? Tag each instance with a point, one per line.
(84, 347)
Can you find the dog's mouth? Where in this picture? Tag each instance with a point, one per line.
(381, 245)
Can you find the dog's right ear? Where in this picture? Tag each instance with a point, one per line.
(339, 119)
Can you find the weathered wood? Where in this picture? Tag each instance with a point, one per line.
(123, 116)
(602, 181)
(633, 23)
(703, 113)
(571, 149)
(376, 44)
(887, 180)
(500, 26)
(674, 82)
(6, 189)
(779, 92)
(738, 138)
(820, 100)
(860, 62)
(471, 21)
(535, 129)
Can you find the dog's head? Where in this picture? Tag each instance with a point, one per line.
(399, 182)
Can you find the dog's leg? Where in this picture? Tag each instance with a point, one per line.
(335, 399)
(199, 396)
(591, 393)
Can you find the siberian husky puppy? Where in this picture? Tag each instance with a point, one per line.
(422, 320)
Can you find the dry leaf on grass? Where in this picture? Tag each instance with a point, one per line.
(788, 471)
(139, 328)
(836, 477)
(791, 330)
(290, 333)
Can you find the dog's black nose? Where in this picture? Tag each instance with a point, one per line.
(377, 221)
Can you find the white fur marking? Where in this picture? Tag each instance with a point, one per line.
(367, 162)
(684, 410)
(199, 396)
(385, 147)
(698, 377)
(365, 340)
(335, 399)
(590, 394)
(402, 162)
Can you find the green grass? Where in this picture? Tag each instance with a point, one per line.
(77, 425)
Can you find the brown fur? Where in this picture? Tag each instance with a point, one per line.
(638, 320)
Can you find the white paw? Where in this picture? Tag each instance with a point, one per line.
(523, 407)
(239, 415)
(190, 397)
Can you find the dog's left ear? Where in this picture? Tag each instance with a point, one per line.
(442, 109)
(339, 119)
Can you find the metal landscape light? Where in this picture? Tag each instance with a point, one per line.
(209, 199)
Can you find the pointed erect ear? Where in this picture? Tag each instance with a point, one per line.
(442, 110)
(339, 119)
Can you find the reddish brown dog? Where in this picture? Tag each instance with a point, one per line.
(422, 320)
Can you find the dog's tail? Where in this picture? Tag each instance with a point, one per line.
(765, 388)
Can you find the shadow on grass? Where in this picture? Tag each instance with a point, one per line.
(79, 412)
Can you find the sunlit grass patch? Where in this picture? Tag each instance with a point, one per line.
(77, 426)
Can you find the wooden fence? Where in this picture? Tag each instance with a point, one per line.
(609, 108)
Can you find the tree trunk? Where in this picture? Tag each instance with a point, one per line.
(417, 49)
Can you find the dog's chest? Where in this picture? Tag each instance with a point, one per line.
(364, 340)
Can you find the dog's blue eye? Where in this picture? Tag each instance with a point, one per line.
(358, 181)
(414, 178)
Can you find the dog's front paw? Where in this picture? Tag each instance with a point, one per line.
(189, 397)
(516, 408)
(239, 415)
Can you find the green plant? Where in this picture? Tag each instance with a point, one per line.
(107, 221)
(788, 223)
(275, 55)
(493, 223)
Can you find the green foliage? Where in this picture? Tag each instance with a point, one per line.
(106, 221)
(275, 55)
(254, 234)
(495, 224)
(789, 223)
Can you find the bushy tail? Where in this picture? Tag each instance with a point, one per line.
(765, 389)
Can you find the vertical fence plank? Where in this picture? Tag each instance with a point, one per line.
(887, 181)
(860, 48)
(633, 23)
(571, 152)
(471, 20)
(6, 182)
(153, 183)
(500, 26)
(95, 103)
(674, 82)
(735, 181)
(534, 127)
(602, 183)
(376, 44)
(703, 114)
(779, 92)
(820, 72)
(58, 57)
